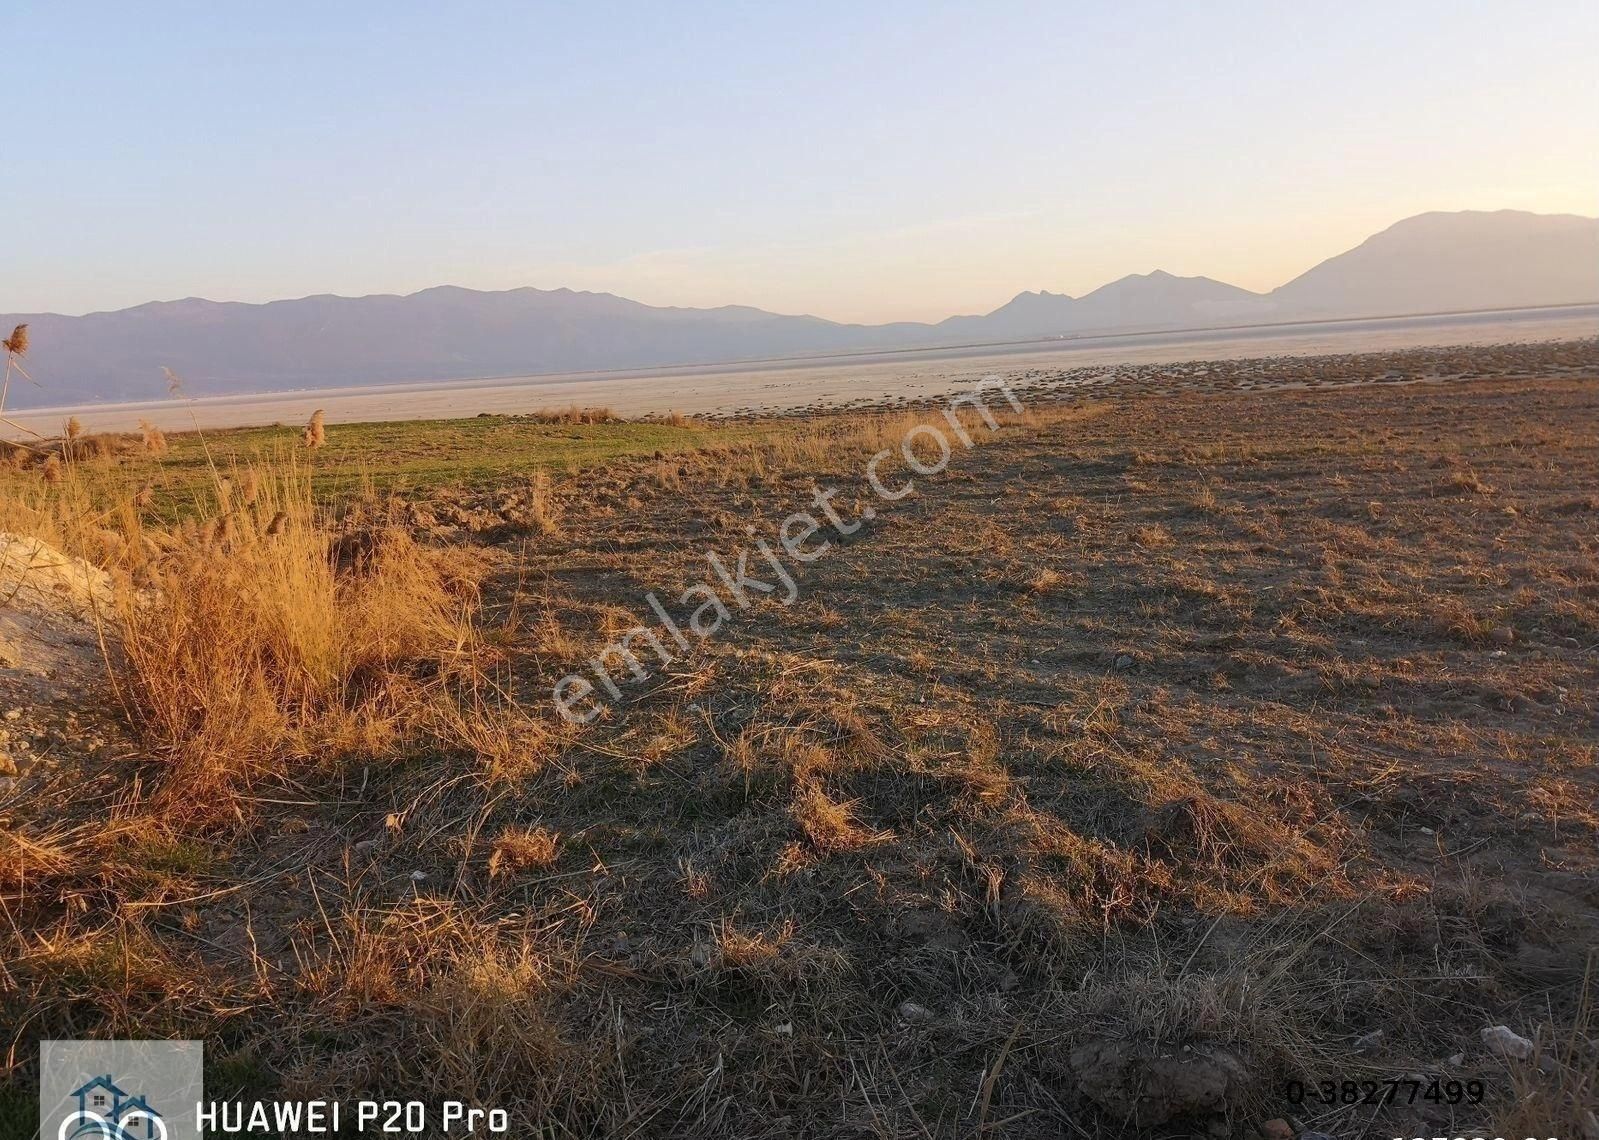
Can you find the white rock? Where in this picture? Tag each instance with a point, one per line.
(1503, 1041)
(911, 1012)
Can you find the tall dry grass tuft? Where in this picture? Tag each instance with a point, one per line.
(575, 415)
(74, 428)
(543, 509)
(152, 437)
(267, 636)
(1556, 1091)
(316, 432)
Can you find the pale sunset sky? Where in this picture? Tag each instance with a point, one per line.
(863, 162)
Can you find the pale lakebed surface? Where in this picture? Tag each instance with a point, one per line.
(812, 382)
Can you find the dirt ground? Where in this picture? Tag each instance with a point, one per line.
(1177, 750)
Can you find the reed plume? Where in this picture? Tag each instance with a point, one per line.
(16, 346)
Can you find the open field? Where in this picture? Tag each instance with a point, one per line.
(1195, 734)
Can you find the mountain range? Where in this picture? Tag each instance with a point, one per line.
(1435, 262)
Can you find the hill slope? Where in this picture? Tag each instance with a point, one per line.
(1470, 260)
(1429, 263)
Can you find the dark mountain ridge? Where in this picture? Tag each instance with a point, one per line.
(1429, 263)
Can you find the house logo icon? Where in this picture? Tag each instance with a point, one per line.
(120, 1090)
(107, 1111)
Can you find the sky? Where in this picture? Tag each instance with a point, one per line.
(862, 162)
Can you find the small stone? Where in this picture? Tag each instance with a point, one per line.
(418, 876)
(1277, 1129)
(1502, 635)
(13, 714)
(8, 766)
(1455, 1061)
(914, 1014)
(1124, 662)
(366, 846)
(1503, 1041)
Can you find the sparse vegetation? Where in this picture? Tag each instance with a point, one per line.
(1046, 784)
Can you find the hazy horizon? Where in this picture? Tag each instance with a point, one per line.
(734, 303)
(904, 163)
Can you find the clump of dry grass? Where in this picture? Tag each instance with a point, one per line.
(1453, 617)
(542, 508)
(1241, 844)
(152, 438)
(1465, 479)
(1151, 537)
(574, 415)
(523, 849)
(1045, 581)
(265, 636)
(74, 428)
(316, 432)
(830, 826)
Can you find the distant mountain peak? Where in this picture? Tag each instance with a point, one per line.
(1434, 262)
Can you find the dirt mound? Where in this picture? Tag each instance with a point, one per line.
(47, 603)
(35, 575)
(1149, 1089)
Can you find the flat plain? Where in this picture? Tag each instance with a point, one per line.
(1205, 734)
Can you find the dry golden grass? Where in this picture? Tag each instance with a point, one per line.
(523, 849)
(152, 437)
(262, 636)
(574, 415)
(879, 863)
(1556, 1091)
(316, 432)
